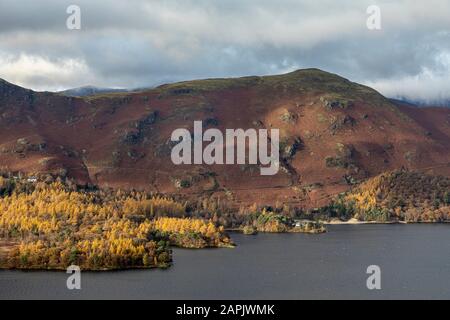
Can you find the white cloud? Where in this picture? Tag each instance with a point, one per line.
(428, 86)
(26, 70)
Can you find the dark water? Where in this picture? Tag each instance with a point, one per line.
(414, 262)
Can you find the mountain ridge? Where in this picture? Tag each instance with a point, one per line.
(334, 133)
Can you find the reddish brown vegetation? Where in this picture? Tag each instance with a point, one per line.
(334, 133)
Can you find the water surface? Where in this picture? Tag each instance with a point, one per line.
(414, 262)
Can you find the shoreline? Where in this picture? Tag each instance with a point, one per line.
(354, 221)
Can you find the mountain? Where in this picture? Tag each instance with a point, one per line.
(334, 133)
(89, 91)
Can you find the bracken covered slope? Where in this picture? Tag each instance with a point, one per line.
(334, 133)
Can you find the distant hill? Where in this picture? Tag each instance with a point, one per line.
(89, 91)
(334, 133)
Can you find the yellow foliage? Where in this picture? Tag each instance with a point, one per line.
(95, 230)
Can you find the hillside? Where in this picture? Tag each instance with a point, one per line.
(398, 195)
(334, 134)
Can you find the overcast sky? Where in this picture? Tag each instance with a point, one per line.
(139, 43)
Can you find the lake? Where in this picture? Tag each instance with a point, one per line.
(414, 262)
